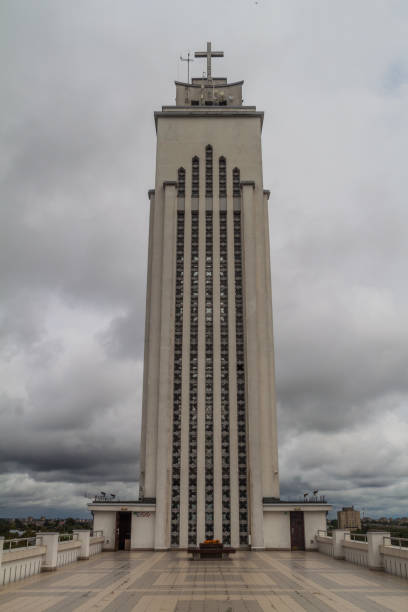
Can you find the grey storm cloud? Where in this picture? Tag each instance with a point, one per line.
(79, 86)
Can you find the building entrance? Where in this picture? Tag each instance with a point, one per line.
(123, 530)
(297, 531)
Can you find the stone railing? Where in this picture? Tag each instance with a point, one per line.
(69, 549)
(375, 550)
(22, 558)
(325, 543)
(96, 544)
(394, 552)
(355, 549)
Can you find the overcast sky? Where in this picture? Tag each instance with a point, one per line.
(79, 84)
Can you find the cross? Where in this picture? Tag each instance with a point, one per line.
(209, 54)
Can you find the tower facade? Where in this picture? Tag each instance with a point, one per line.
(209, 437)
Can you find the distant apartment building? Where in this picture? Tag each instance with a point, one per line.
(348, 518)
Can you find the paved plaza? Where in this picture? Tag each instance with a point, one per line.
(171, 582)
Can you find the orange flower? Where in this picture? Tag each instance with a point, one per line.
(211, 542)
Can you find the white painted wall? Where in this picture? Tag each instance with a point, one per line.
(313, 522)
(106, 522)
(143, 527)
(277, 529)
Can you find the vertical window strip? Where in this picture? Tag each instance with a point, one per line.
(208, 171)
(178, 353)
(225, 405)
(241, 405)
(222, 177)
(209, 382)
(236, 183)
(192, 441)
(181, 183)
(195, 178)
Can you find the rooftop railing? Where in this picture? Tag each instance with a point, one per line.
(310, 499)
(113, 499)
(358, 537)
(66, 537)
(393, 541)
(19, 543)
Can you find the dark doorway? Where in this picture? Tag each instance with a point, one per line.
(297, 531)
(123, 530)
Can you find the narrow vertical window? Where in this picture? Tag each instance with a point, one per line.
(209, 380)
(241, 395)
(181, 183)
(225, 399)
(208, 171)
(195, 178)
(222, 177)
(178, 354)
(192, 436)
(236, 183)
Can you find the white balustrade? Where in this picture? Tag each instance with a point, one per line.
(24, 557)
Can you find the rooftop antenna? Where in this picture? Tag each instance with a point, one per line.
(188, 60)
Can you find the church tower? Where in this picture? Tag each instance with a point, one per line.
(209, 438)
(209, 455)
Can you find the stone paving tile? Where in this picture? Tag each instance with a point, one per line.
(125, 602)
(27, 603)
(171, 582)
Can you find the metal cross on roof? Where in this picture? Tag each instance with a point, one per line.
(209, 54)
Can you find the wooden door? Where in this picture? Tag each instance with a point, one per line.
(117, 531)
(297, 531)
(125, 526)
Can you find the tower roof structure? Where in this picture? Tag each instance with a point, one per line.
(209, 96)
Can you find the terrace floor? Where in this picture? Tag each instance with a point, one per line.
(171, 582)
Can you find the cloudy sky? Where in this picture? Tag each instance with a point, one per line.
(79, 84)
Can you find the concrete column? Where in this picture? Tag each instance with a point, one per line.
(163, 470)
(338, 539)
(252, 348)
(151, 375)
(145, 415)
(185, 373)
(1, 549)
(201, 359)
(50, 541)
(263, 352)
(271, 442)
(375, 540)
(216, 357)
(84, 536)
(232, 366)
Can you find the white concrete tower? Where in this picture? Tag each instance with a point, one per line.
(209, 440)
